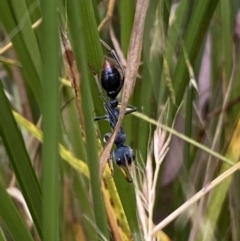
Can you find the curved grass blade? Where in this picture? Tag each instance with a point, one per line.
(2, 237)
(64, 153)
(20, 161)
(12, 219)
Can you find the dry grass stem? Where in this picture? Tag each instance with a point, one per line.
(109, 14)
(117, 47)
(206, 189)
(146, 192)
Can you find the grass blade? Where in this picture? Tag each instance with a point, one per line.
(16, 20)
(12, 219)
(50, 51)
(20, 161)
(195, 33)
(82, 59)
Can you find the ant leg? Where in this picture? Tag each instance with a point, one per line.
(97, 82)
(66, 103)
(132, 109)
(113, 53)
(100, 90)
(126, 172)
(104, 117)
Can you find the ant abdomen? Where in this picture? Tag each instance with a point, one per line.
(111, 79)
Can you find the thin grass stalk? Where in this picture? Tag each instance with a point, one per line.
(183, 137)
(188, 127)
(225, 175)
(51, 121)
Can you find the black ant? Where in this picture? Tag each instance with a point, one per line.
(112, 82)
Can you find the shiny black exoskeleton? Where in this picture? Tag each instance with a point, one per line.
(112, 82)
(123, 154)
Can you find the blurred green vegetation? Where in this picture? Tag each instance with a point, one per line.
(188, 83)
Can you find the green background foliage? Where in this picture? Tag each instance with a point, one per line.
(187, 97)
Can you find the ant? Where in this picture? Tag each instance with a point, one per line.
(112, 82)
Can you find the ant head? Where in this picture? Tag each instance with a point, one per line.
(124, 156)
(111, 79)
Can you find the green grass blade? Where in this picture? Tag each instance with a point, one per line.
(126, 12)
(15, 18)
(20, 161)
(93, 48)
(2, 237)
(196, 30)
(64, 153)
(21, 13)
(81, 44)
(50, 51)
(91, 36)
(12, 219)
(72, 126)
